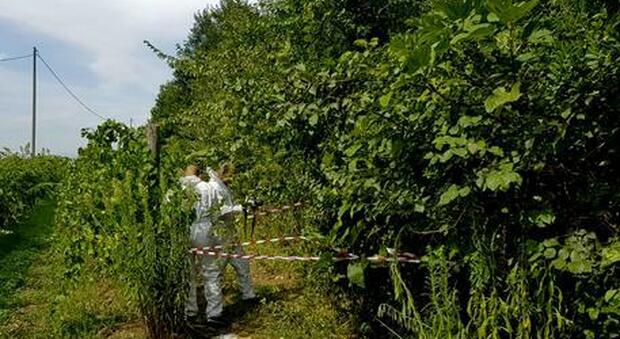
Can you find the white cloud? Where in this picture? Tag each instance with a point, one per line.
(109, 32)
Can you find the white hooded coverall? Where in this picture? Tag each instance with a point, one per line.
(215, 208)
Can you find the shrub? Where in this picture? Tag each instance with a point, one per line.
(25, 180)
(113, 220)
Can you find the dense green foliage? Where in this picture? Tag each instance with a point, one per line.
(114, 220)
(23, 181)
(483, 134)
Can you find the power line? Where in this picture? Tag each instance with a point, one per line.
(75, 97)
(16, 58)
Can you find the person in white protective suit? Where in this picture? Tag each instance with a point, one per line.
(215, 213)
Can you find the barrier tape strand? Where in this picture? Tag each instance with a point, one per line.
(217, 248)
(274, 210)
(339, 257)
(260, 242)
(215, 251)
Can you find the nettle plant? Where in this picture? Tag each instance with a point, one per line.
(123, 217)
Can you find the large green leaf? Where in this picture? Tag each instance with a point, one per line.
(498, 179)
(475, 32)
(507, 11)
(355, 273)
(453, 192)
(543, 218)
(541, 36)
(611, 253)
(500, 97)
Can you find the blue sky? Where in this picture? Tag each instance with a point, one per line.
(96, 47)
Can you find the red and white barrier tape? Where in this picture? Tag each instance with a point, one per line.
(259, 242)
(392, 252)
(216, 254)
(339, 257)
(273, 210)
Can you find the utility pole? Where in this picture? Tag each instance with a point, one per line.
(33, 146)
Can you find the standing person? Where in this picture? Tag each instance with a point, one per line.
(215, 210)
(228, 212)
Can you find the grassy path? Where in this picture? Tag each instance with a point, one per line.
(291, 305)
(18, 252)
(37, 302)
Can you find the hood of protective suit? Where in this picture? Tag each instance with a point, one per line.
(190, 181)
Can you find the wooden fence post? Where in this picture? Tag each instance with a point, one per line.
(152, 136)
(156, 325)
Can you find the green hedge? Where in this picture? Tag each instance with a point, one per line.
(23, 181)
(481, 133)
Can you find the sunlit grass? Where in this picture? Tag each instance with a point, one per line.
(37, 302)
